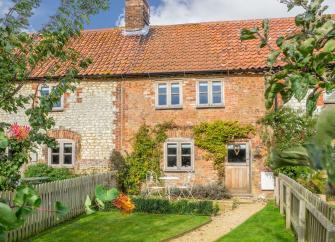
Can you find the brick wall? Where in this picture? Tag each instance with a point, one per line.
(244, 102)
(88, 115)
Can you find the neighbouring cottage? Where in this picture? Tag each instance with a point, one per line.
(187, 73)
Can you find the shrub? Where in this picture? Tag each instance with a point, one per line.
(214, 191)
(164, 206)
(43, 170)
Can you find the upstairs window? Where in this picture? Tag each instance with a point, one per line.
(63, 154)
(45, 91)
(179, 155)
(168, 95)
(210, 94)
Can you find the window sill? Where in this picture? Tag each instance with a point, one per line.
(210, 106)
(179, 171)
(169, 108)
(62, 166)
(56, 110)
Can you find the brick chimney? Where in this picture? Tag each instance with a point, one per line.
(137, 17)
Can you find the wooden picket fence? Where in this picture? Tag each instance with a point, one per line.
(312, 219)
(71, 192)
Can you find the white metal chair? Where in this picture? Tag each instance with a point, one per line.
(152, 185)
(186, 188)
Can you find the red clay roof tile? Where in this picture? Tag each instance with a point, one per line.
(181, 48)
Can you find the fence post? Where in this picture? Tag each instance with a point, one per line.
(277, 191)
(288, 207)
(330, 236)
(281, 197)
(302, 221)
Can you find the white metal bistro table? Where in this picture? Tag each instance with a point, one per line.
(168, 187)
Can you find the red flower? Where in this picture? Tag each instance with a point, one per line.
(19, 132)
(124, 203)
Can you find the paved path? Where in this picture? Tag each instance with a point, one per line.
(222, 224)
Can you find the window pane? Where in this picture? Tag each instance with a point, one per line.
(175, 88)
(162, 100)
(58, 104)
(68, 148)
(55, 150)
(67, 159)
(55, 159)
(203, 87)
(172, 149)
(217, 98)
(216, 86)
(237, 153)
(186, 161)
(45, 91)
(172, 161)
(175, 99)
(162, 89)
(186, 149)
(203, 98)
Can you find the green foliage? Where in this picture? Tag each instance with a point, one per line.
(164, 206)
(103, 197)
(43, 170)
(25, 202)
(213, 137)
(295, 172)
(211, 192)
(317, 153)
(145, 157)
(12, 157)
(286, 127)
(316, 182)
(306, 56)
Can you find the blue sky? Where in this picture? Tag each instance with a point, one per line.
(176, 11)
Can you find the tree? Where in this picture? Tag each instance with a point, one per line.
(20, 54)
(302, 60)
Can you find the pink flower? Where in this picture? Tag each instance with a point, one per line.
(19, 132)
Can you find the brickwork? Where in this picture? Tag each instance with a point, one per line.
(244, 102)
(137, 14)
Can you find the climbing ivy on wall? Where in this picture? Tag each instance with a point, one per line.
(213, 137)
(146, 156)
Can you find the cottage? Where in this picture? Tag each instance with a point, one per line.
(187, 73)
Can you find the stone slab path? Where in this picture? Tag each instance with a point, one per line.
(222, 224)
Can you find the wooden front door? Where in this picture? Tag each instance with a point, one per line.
(237, 169)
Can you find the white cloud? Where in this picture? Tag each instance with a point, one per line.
(193, 11)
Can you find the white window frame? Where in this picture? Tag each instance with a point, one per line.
(210, 103)
(61, 143)
(179, 142)
(169, 95)
(61, 108)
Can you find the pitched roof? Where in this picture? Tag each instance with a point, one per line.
(184, 48)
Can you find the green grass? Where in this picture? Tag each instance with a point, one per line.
(265, 226)
(114, 226)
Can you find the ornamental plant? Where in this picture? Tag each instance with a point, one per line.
(107, 198)
(214, 137)
(301, 63)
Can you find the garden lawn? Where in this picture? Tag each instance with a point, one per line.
(265, 226)
(114, 226)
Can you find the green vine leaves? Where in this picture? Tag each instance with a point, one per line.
(305, 57)
(214, 137)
